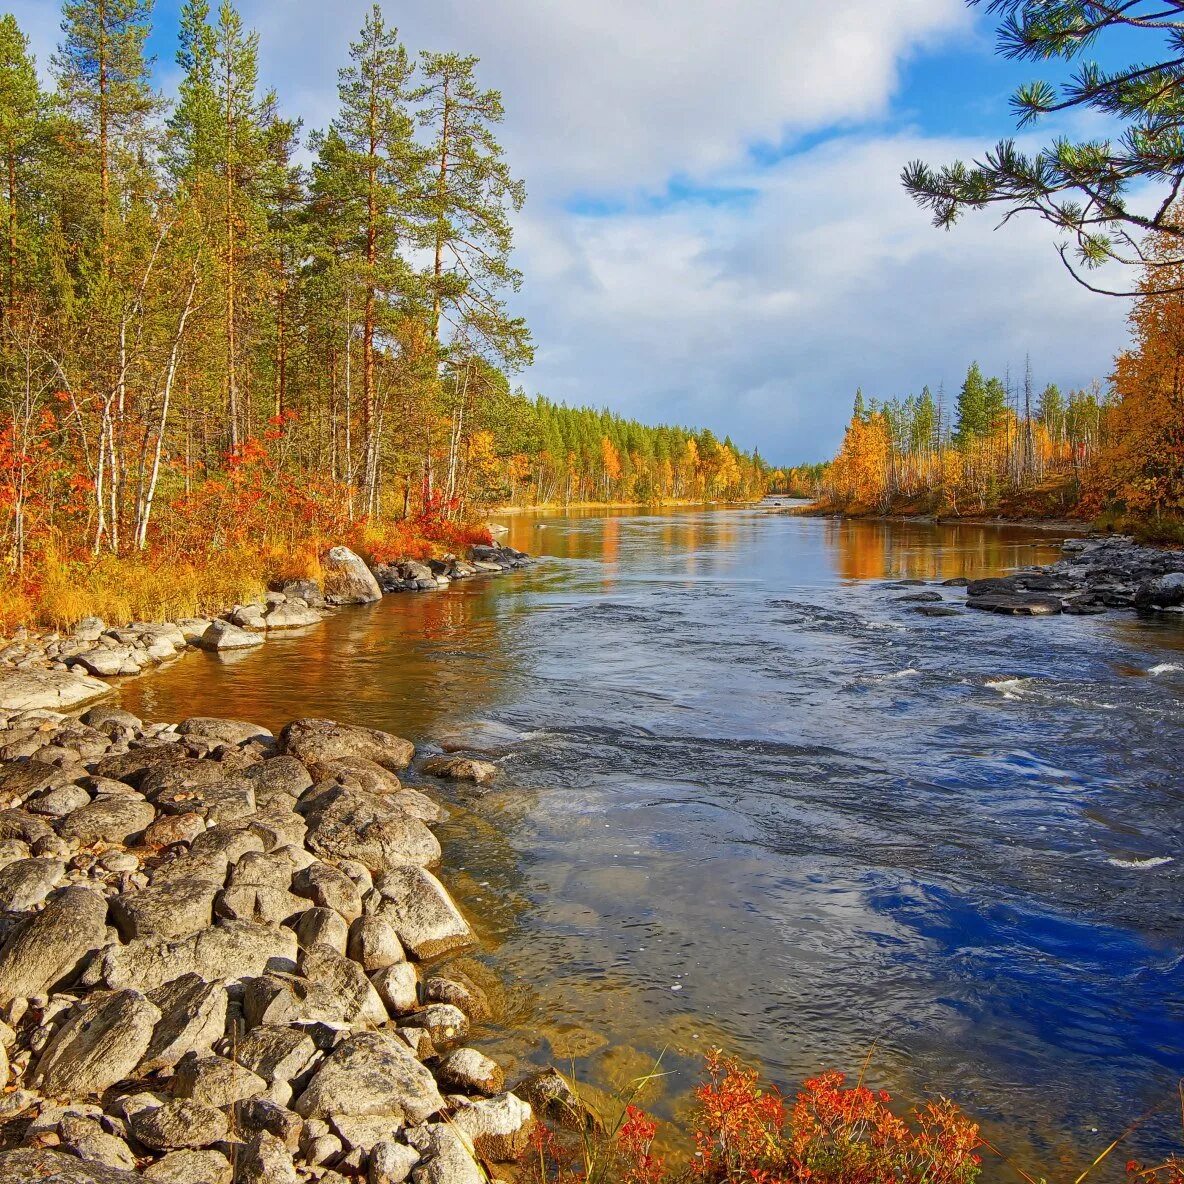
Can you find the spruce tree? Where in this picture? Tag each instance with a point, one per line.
(22, 112)
(972, 407)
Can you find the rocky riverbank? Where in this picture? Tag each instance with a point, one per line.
(219, 962)
(59, 671)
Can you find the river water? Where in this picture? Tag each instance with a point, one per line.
(760, 802)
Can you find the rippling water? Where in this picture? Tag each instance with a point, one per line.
(759, 801)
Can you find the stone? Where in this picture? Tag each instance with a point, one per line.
(374, 944)
(347, 981)
(253, 1115)
(193, 629)
(88, 629)
(47, 949)
(1016, 604)
(258, 902)
(222, 635)
(109, 820)
(329, 887)
(347, 578)
(57, 803)
(38, 1165)
(265, 1160)
(291, 615)
(460, 768)
(445, 1024)
(461, 992)
(469, 1071)
(247, 616)
(347, 823)
(391, 1162)
(276, 1053)
(398, 987)
(499, 1128)
(174, 828)
(280, 777)
(321, 926)
(103, 661)
(215, 1081)
(370, 1074)
(447, 1156)
(555, 1098)
(193, 1016)
(218, 802)
(358, 772)
(25, 883)
(423, 914)
(313, 740)
(191, 1167)
(100, 1043)
(230, 950)
(485, 736)
(26, 779)
(86, 1138)
(169, 910)
(54, 690)
(1163, 592)
(228, 731)
(179, 1125)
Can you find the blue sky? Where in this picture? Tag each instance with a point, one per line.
(715, 233)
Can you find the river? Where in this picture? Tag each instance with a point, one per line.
(759, 801)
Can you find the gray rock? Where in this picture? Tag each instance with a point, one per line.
(215, 1081)
(253, 1115)
(320, 926)
(169, 910)
(247, 616)
(499, 1128)
(423, 914)
(460, 768)
(191, 1167)
(391, 1162)
(111, 820)
(222, 635)
(103, 661)
(468, 1071)
(347, 982)
(374, 944)
(265, 1160)
(47, 950)
(1165, 591)
(99, 1044)
(485, 736)
(315, 740)
(329, 887)
(291, 616)
(371, 1074)
(280, 778)
(57, 803)
(217, 802)
(347, 823)
(38, 1165)
(181, 1124)
(257, 902)
(228, 731)
(276, 1053)
(193, 1017)
(397, 986)
(347, 578)
(54, 690)
(556, 1099)
(88, 1140)
(25, 883)
(193, 629)
(447, 1154)
(445, 1024)
(460, 991)
(88, 629)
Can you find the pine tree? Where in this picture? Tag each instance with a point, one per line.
(973, 418)
(22, 110)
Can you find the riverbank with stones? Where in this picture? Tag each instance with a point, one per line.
(223, 960)
(55, 671)
(1096, 575)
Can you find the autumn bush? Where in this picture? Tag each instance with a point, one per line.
(746, 1133)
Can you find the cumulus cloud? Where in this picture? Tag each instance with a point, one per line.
(724, 276)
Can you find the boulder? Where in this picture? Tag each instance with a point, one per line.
(101, 1043)
(105, 661)
(320, 926)
(398, 987)
(47, 949)
(445, 1024)
(391, 1162)
(25, 883)
(555, 1098)
(465, 1070)
(291, 615)
(276, 1053)
(347, 578)
(253, 1115)
(460, 768)
(1016, 604)
(329, 887)
(265, 1160)
(111, 820)
(1163, 592)
(447, 1156)
(53, 690)
(374, 944)
(347, 982)
(190, 1167)
(215, 1081)
(181, 1124)
(168, 910)
(222, 635)
(277, 779)
(421, 911)
(226, 731)
(193, 1017)
(247, 616)
(40, 1165)
(85, 1138)
(316, 740)
(371, 1074)
(499, 1128)
(349, 824)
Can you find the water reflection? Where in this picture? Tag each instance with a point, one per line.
(760, 802)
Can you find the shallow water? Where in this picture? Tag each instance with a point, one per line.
(759, 801)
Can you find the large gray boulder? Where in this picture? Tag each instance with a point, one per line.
(47, 949)
(38, 1165)
(101, 1043)
(421, 911)
(169, 910)
(227, 731)
(111, 820)
(193, 1017)
(447, 1156)
(25, 883)
(265, 1160)
(222, 635)
(180, 1124)
(371, 1074)
(1163, 592)
(190, 1167)
(52, 690)
(291, 615)
(347, 578)
(499, 1128)
(315, 741)
(345, 823)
